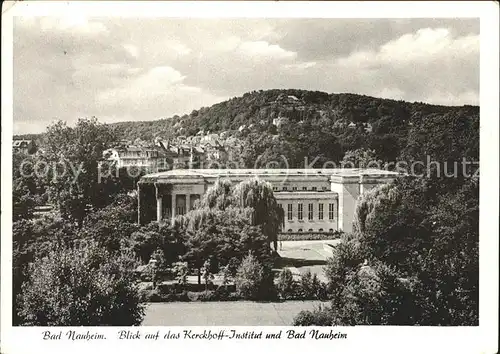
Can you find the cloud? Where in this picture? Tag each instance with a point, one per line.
(300, 66)
(262, 49)
(132, 50)
(440, 67)
(77, 24)
(159, 92)
(144, 69)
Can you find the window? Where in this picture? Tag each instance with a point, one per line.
(314, 188)
(310, 230)
(310, 211)
(304, 188)
(301, 207)
(331, 230)
(294, 188)
(275, 189)
(300, 230)
(290, 230)
(290, 211)
(330, 211)
(285, 188)
(324, 188)
(320, 230)
(320, 211)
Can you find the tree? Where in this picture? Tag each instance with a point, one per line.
(26, 189)
(113, 225)
(409, 231)
(81, 286)
(75, 184)
(346, 257)
(258, 195)
(223, 235)
(361, 158)
(219, 196)
(181, 271)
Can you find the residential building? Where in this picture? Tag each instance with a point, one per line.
(23, 146)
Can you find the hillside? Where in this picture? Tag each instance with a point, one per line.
(311, 106)
(313, 124)
(285, 127)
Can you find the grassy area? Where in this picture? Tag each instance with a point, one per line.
(237, 313)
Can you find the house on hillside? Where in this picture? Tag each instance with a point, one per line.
(24, 146)
(151, 158)
(278, 122)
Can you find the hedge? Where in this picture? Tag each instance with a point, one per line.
(309, 236)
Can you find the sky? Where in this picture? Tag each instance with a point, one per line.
(126, 69)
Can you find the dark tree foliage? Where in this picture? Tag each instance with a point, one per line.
(81, 286)
(413, 260)
(112, 225)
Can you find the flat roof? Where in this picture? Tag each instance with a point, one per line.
(341, 172)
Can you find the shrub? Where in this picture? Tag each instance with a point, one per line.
(253, 281)
(309, 236)
(286, 286)
(208, 295)
(81, 286)
(311, 287)
(320, 316)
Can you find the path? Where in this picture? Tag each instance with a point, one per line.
(301, 256)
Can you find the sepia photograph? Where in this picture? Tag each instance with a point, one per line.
(215, 171)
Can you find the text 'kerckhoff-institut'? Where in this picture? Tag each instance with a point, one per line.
(313, 200)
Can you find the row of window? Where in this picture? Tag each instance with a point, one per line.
(310, 211)
(310, 230)
(285, 188)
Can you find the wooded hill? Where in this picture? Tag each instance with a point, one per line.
(318, 123)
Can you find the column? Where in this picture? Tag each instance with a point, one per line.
(188, 203)
(139, 219)
(159, 207)
(174, 207)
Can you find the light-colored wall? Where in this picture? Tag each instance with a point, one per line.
(306, 198)
(348, 192)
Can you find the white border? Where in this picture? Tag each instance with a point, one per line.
(482, 339)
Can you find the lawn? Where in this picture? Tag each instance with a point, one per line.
(236, 313)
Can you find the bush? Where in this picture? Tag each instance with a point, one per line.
(208, 295)
(253, 281)
(304, 236)
(286, 286)
(81, 286)
(320, 316)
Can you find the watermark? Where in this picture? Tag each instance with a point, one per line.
(52, 171)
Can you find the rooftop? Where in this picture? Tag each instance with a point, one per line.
(340, 172)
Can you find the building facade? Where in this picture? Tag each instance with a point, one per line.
(313, 200)
(138, 157)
